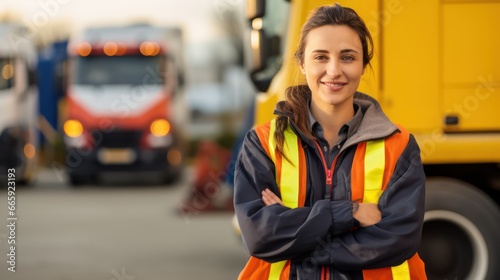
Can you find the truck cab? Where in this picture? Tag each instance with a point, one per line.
(435, 71)
(18, 103)
(119, 112)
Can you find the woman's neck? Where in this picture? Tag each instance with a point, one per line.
(332, 118)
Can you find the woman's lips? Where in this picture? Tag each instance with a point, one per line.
(334, 86)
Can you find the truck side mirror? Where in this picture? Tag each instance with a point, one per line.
(262, 50)
(32, 77)
(256, 9)
(258, 53)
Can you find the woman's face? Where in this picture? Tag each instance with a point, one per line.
(333, 65)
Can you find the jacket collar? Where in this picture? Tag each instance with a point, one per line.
(374, 124)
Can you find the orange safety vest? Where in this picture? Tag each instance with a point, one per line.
(373, 165)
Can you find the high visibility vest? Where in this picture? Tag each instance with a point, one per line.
(373, 165)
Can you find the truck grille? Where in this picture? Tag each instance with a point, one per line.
(117, 139)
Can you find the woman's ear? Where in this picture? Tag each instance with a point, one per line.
(302, 69)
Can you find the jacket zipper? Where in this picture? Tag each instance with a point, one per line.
(328, 171)
(325, 270)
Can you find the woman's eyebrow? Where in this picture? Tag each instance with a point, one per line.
(342, 51)
(348, 51)
(320, 51)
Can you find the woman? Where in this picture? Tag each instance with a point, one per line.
(331, 189)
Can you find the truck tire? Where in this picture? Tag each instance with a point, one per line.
(461, 232)
(77, 180)
(25, 167)
(171, 179)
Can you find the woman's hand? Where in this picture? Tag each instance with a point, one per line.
(269, 198)
(367, 214)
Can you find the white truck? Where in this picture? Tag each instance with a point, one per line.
(18, 104)
(119, 102)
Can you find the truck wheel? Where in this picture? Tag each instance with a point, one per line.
(461, 230)
(26, 167)
(78, 180)
(172, 178)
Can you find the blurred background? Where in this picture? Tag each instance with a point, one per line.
(120, 122)
(153, 203)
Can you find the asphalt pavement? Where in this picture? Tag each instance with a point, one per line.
(123, 230)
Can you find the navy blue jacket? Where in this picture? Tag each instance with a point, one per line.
(321, 232)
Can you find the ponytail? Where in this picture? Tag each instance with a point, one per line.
(296, 107)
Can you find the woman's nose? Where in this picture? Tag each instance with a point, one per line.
(333, 68)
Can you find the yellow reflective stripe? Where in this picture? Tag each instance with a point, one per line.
(289, 178)
(271, 142)
(374, 170)
(401, 272)
(289, 187)
(276, 269)
(374, 175)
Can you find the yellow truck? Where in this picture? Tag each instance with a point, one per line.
(436, 71)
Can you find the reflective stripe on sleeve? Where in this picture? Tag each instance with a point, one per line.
(374, 170)
(287, 177)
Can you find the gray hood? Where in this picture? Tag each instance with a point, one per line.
(374, 125)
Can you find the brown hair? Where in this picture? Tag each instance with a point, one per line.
(298, 96)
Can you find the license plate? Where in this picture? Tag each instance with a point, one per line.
(116, 156)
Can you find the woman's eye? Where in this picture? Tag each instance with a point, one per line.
(347, 58)
(320, 57)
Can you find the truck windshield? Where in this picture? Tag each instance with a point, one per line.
(120, 70)
(6, 73)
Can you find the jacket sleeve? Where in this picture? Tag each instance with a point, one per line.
(396, 237)
(274, 233)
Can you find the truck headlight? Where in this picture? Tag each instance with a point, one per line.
(160, 127)
(73, 128)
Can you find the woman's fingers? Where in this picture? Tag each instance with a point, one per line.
(368, 214)
(269, 198)
(265, 199)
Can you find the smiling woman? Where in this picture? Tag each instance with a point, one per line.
(332, 65)
(319, 191)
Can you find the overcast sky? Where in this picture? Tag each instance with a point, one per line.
(196, 16)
